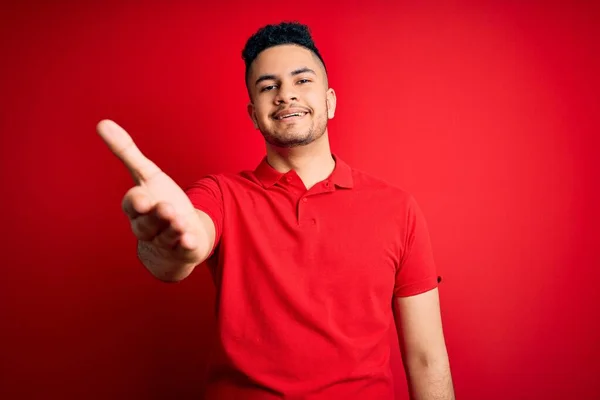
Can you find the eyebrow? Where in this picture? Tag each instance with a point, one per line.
(295, 72)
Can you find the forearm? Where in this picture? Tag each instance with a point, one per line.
(429, 380)
(161, 266)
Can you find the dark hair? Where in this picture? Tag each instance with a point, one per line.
(274, 35)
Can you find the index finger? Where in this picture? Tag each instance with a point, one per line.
(122, 145)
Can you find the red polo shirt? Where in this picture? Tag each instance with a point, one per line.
(305, 281)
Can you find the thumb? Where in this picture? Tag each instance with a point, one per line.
(122, 146)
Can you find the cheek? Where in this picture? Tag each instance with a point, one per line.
(261, 114)
(319, 103)
(263, 109)
(316, 99)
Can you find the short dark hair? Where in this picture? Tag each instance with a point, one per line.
(274, 35)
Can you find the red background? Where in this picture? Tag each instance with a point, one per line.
(486, 112)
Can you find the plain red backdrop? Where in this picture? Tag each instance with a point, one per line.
(486, 112)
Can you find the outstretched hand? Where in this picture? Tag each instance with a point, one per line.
(159, 210)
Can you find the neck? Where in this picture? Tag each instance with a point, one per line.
(313, 162)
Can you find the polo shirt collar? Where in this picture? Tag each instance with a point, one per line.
(341, 175)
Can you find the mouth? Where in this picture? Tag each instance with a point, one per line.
(290, 115)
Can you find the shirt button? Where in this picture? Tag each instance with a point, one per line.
(288, 178)
(313, 221)
(305, 199)
(326, 184)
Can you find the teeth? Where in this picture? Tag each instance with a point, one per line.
(292, 115)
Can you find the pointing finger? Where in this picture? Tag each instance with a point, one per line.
(122, 145)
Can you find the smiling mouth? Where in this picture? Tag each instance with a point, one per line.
(291, 116)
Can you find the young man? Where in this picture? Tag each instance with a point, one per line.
(311, 258)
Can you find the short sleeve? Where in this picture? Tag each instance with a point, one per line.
(206, 195)
(417, 271)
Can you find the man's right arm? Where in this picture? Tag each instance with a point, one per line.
(167, 269)
(173, 236)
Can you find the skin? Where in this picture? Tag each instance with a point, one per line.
(173, 237)
(424, 354)
(286, 77)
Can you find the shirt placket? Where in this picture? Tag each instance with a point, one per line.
(306, 212)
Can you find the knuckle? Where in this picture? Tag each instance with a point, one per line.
(143, 226)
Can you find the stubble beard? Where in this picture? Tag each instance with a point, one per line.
(293, 139)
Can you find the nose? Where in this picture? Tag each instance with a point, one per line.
(286, 94)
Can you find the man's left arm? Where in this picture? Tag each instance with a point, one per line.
(423, 347)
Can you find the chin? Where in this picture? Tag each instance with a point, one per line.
(289, 141)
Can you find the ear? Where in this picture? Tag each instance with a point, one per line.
(252, 114)
(331, 101)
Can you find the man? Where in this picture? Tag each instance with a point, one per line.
(311, 258)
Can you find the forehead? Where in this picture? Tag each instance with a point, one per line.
(283, 59)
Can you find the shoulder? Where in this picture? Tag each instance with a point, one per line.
(228, 181)
(368, 182)
(241, 178)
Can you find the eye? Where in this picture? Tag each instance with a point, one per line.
(268, 88)
(304, 80)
